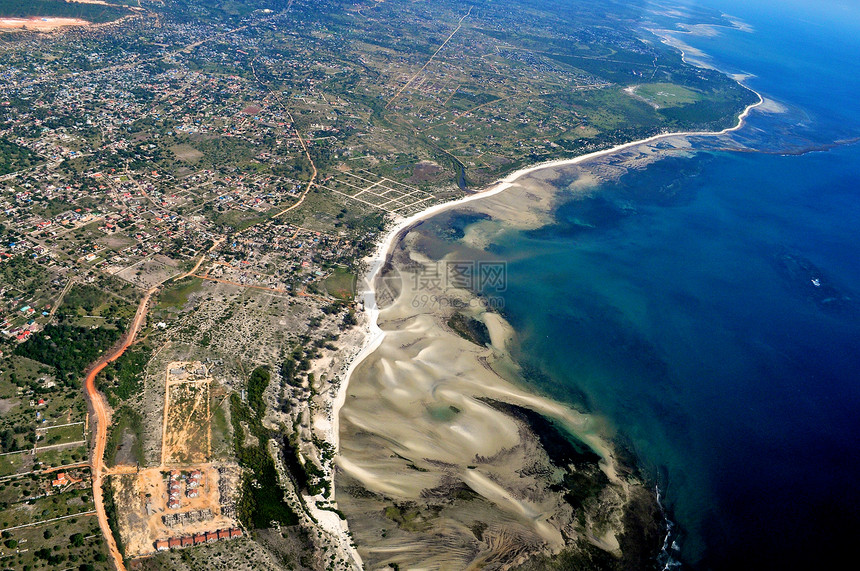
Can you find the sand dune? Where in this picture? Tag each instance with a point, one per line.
(418, 437)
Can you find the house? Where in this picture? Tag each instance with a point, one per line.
(235, 532)
(223, 534)
(199, 538)
(174, 542)
(211, 536)
(187, 541)
(162, 545)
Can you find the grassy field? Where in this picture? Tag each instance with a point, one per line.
(667, 94)
(14, 463)
(72, 543)
(187, 153)
(340, 284)
(175, 294)
(51, 546)
(42, 509)
(54, 457)
(61, 435)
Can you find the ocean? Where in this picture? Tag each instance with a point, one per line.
(708, 306)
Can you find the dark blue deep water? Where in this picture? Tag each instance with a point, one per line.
(679, 303)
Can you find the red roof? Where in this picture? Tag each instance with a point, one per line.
(174, 542)
(161, 544)
(235, 532)
(199, 538)
(187, 540)
(223, 534)
(211, 536)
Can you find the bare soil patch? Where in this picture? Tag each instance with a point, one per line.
(40, 24)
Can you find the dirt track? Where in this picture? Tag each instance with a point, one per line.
(100, 413)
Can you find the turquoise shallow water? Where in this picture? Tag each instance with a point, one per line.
(691, 321)
(679, 302)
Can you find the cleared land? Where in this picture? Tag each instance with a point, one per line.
(144, 514)
(661, 95)
(186, 495)
(187, 436)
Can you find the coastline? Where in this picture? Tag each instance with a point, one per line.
(374, 335)
(366, 291)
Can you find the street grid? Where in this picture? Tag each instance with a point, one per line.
(383, 193)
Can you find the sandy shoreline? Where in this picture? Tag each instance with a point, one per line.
(367, 294)
(374, 336)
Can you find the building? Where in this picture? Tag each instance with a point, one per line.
(162, 545)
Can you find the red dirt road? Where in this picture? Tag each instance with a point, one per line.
(102, 420)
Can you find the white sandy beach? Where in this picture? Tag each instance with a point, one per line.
(367, 294)
(413, 369)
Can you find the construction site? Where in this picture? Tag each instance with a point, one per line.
(187, 500)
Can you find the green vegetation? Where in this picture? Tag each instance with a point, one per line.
(13, 463)
(62, 456)
(666, 94)
(262, 500)
(125, 420)
(95, 13)
(67, 348)
(44, 508)
(408, 517)
(15, 157)
(123, 378)
(175, 294)
(111, 511)
(469, 329)
(306, 474)
(297, 362)
(85, 297)
(63, 434)
(257, 384)
(22, 273)
(89, 306)
(340, 284)
(580, 556)
(14, 439)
